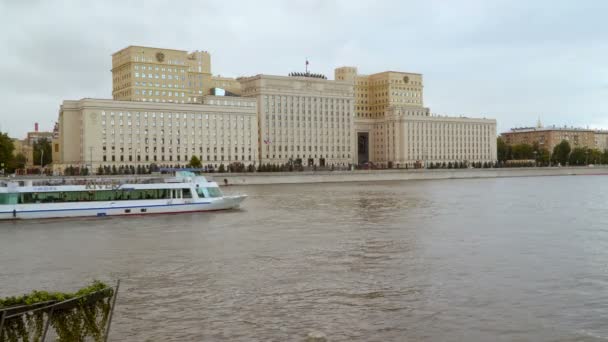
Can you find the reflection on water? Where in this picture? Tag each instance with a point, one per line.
(458, 260)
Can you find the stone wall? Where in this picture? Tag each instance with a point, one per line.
(391, 175)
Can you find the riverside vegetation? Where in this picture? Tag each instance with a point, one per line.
(76, 316)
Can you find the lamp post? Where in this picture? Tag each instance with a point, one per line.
(586, 157)
(535, 160)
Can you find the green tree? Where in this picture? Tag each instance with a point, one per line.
(579, 156)
(19, 161)
(595, 156)
(42, 148)
(543, 156)
(503, 150)
(522, 151)
(221, 168)
(6, 151)
(561, 152)
(195, 162)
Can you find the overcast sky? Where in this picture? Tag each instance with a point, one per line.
(511, 60)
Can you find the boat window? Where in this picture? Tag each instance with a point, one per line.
(214, 192)
(187, 193)
(8, 198)
(87, 196)
(201, 192)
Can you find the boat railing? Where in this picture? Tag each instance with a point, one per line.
(84, 181)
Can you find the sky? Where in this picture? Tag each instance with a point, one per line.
(512, 60)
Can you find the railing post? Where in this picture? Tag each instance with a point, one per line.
(111, 311)
(48, 322)
(2, 314)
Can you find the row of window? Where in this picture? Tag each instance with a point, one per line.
(162, 158)
(169, 115)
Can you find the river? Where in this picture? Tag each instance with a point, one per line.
(507, 259)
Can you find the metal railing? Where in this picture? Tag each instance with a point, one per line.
(50, 308)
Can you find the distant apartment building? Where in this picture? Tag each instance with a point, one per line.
(303, 117)
(26, 146)
(393, 127)
(220, 130)
(601, 139)
(150, 74)
(548, 137)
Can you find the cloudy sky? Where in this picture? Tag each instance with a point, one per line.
(511, 60)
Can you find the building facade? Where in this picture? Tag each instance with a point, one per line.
(304, 118)
(548, 137)
(601, 139)
(151, 74)
(393, 128)
(96, 132)
(26, 146)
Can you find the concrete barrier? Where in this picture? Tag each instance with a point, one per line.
(392, 175)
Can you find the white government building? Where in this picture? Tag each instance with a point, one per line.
(302, 117)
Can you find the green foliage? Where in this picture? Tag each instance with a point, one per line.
(221, 168)
(195, 162)
(595, 157)
(522, 152)
(543, 156)
(561, 152)
(19, 161)
(503, 150)
(579, 156)
(6, 151)
(40, 146)
(86, 318)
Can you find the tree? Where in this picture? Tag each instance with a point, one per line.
(503, 150)
(543, 156)
(195, 162)
(6, 151)
(578, 156)
(221, 169)
(42, 147)
(522, 151)
(561, 152)
(19, 161)
(595, 156)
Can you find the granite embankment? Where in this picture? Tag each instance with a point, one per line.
(392, 175)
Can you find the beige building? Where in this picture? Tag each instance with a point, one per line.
(151, 74)
(548, 137)
(304, 117)
(393, 128)
(26, 146)
(22, 147)
(162, 112)
(94, 132)
(601, 140)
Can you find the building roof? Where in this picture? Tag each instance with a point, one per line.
(548, 129)
(146, 47)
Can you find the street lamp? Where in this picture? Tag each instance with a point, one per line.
(535, 160)
(587, 157)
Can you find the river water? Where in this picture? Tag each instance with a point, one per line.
(511, 259)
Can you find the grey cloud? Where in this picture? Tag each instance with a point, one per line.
(512, 60)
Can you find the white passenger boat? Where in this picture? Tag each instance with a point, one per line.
(184, 193)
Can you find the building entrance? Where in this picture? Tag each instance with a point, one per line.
(362, 147)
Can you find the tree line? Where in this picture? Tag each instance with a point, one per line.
(10, 162)
(562, 154)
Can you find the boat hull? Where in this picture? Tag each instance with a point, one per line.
(122, 208)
